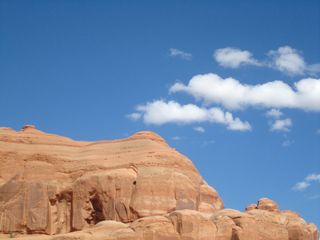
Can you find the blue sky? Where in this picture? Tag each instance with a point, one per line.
(233, 85)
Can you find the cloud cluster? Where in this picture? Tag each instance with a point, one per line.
(284, 59)
(232, 94)
(300, 186)
(179, 53)
(160, 112)
(278, 124)
(216, 93)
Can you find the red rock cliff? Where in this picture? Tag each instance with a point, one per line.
(133, 188)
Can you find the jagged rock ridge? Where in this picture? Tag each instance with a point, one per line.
(133, 188)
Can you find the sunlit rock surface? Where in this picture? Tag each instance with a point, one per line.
(52, 187)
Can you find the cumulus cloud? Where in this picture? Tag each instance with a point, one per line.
(274, 113)
(284, 59)
(281, 125)
(288, 60)
(300, 186)
(232, 94)
(179, 53)
(160, 112)
(199, 129)
(234, 57)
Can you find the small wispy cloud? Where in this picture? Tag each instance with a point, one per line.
(313, 69)
(313, 177)
(281, 125)
(233, 57)
(199, 129)
(174, 52)
(134, 116)
(277, 124)
(274, 113)
(300, 186)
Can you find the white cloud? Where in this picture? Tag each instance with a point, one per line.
(233, 94)
(179, 53)
(278, 124)
(300, 186)
(199, 129)
(288, 60)
(281, 125)
(134, 116)
(313, 177)
(313, 69)
(234, 57)
(160, 112)
(284, 59)
(274, 113)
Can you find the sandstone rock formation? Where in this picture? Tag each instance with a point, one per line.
(138, 188)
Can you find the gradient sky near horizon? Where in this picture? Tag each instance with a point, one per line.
(233, 85)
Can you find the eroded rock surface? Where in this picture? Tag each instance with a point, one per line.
(137, 188)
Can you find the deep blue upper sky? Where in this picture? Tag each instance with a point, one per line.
(78, 68)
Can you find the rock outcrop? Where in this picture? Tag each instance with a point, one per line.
(138, 188)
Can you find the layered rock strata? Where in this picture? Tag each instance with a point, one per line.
(52, 187)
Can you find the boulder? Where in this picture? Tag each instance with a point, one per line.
(267, 204)
(190, 224)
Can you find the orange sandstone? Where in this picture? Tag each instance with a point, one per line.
(137, 188)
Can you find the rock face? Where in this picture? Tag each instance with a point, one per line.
(52, 187)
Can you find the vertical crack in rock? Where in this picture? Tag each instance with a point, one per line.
(97, 210)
